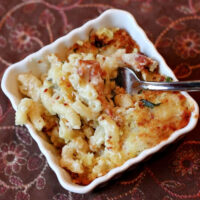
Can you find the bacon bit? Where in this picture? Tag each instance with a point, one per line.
(103, 74)
(68, 84)
(109, 137)
(162, 78)
(65, 104)
(102, 118)
(109, 148)
(118, 123)
(141, 105)
(39, 61)
(90, 69)
(119, 120)
(81, 71)
(95, 69)
(143, 60)
(138, 61)
(109, 112)
(45, 90)
(57, 97)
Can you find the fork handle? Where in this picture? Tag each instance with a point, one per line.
(172, 86)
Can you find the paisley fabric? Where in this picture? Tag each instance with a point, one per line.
(27, 25)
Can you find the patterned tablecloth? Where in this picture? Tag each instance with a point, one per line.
(28, 25)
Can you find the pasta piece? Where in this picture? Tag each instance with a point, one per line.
(69, 161)
(21, 116)
(88, 131)
(83, 110)
(64, 111)
(86, 92)
(35, 114)
(112, 132)
(70, 153)
(28, 109)
(124, 100)
(55, 71)
(98, 139)
(29, 85)
(65, 132)
(55, 139)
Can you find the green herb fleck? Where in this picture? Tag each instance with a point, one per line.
(149, 104)
(90, 33)
(98, 43)
(168, 79)
(55, 86)
(140, 91)
(49, 79)
(75, 50)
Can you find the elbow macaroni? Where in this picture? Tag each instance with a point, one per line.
(95, 124)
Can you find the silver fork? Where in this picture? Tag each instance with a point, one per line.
(131, 83)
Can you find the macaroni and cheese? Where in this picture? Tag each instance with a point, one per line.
(94, 123)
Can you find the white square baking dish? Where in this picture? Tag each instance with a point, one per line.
(110, 18)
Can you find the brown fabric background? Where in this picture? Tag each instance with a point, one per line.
(27, 25)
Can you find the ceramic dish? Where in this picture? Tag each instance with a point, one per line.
(110, 18)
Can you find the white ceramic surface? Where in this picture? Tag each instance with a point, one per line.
(110, 18)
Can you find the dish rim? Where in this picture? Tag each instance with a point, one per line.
(42, 144)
